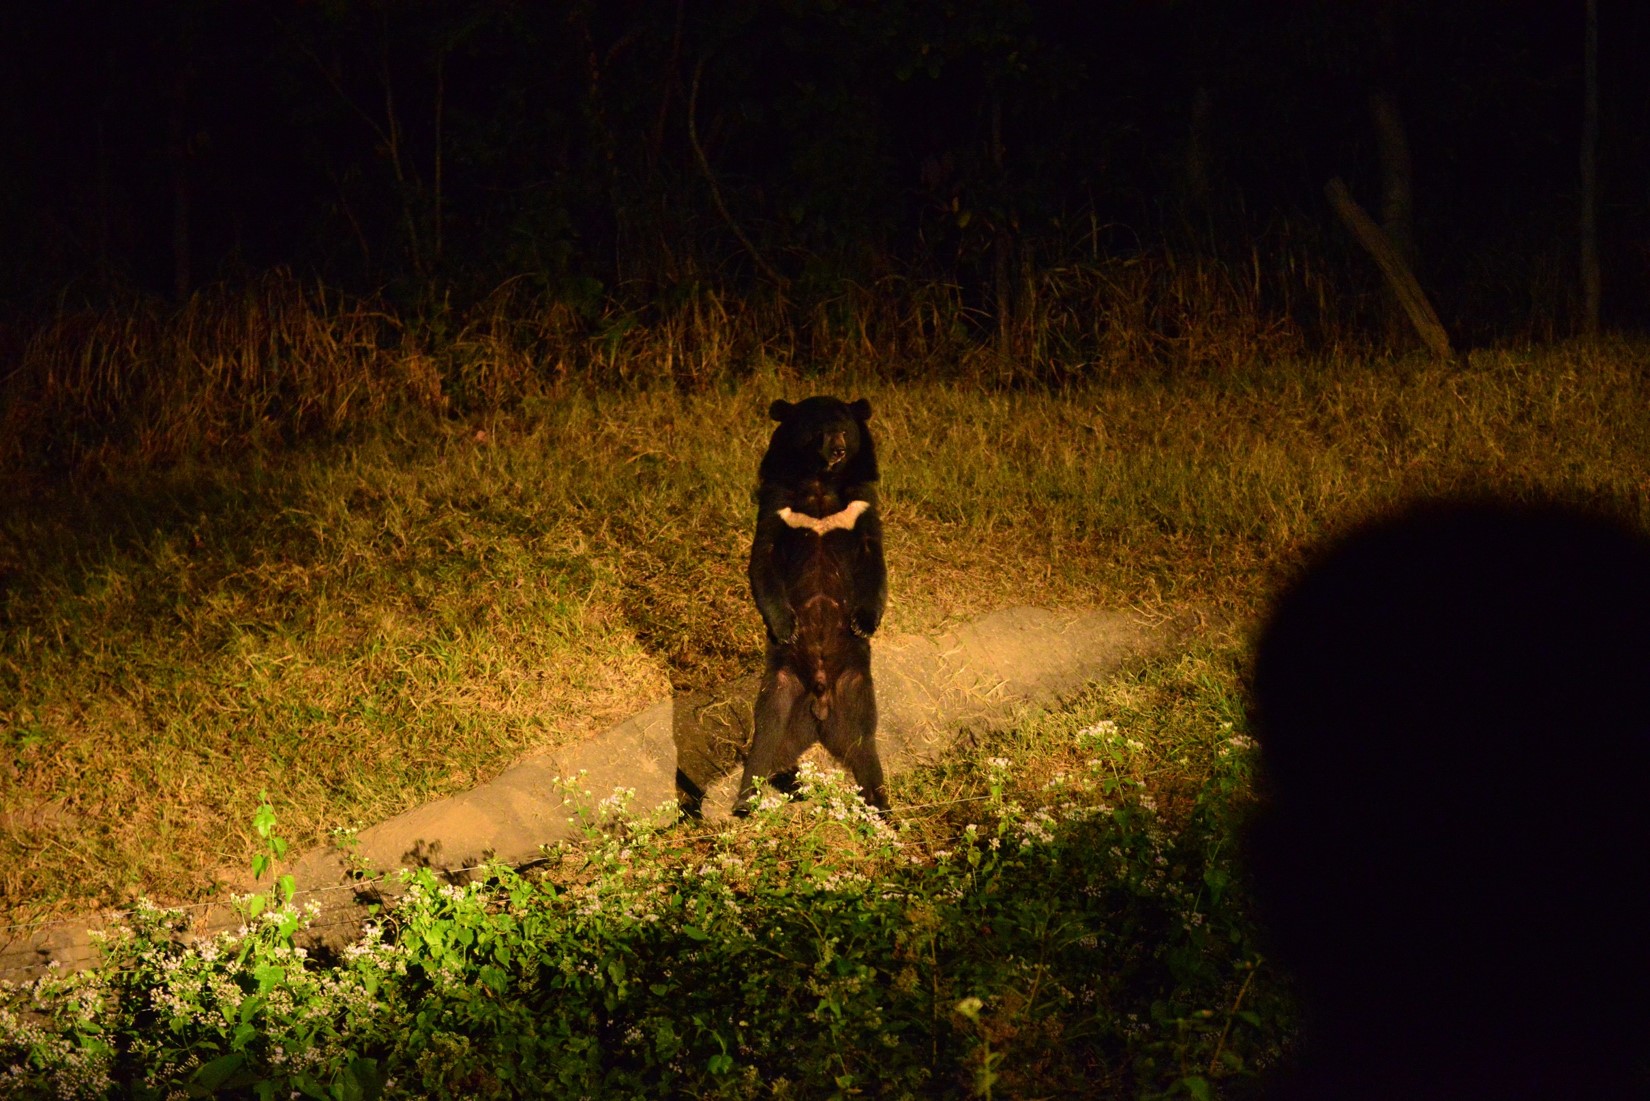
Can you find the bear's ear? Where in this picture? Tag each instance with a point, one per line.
(861, 409)
(780, 409)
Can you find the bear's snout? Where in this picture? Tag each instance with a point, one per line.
(836, 448)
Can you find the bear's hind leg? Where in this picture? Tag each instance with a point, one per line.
(783, 729)
(850, 733)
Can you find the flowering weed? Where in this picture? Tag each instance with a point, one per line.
(1057, 925)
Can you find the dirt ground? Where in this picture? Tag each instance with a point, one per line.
(684, 753)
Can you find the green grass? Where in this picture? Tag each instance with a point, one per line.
(367, 622)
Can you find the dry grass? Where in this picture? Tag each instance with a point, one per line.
(244, 368)
(492, 550)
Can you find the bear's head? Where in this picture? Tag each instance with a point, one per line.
(820, 437)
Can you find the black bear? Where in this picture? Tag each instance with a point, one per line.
(818, 577)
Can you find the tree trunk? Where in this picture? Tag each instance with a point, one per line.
(177, 156)
(105, 211)
(1591, 283)
(440, 114)
(1002, 242)
(1405, 288)
(1195, 173)
(1397, 174)
(1392, 150)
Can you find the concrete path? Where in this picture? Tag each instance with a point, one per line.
(685, 752)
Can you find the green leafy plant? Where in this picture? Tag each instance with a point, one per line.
(1051, 925)
(274, 850)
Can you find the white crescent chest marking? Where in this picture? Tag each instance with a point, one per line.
(837, 521)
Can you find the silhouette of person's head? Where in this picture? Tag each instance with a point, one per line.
(1453, 708)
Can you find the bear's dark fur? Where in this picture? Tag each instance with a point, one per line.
(818, 577)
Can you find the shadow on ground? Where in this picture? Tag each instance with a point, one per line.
(687, 750)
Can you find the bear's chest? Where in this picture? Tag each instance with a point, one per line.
(818, 498)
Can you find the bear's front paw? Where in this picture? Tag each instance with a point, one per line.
(783, 628)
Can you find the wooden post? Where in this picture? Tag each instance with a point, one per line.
(1404, 286)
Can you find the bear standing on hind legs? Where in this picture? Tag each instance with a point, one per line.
(819, 581)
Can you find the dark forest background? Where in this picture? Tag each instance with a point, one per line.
(640, 152)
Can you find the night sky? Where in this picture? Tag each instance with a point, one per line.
(152, 148)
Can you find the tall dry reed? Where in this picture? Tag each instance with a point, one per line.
(281, 359)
